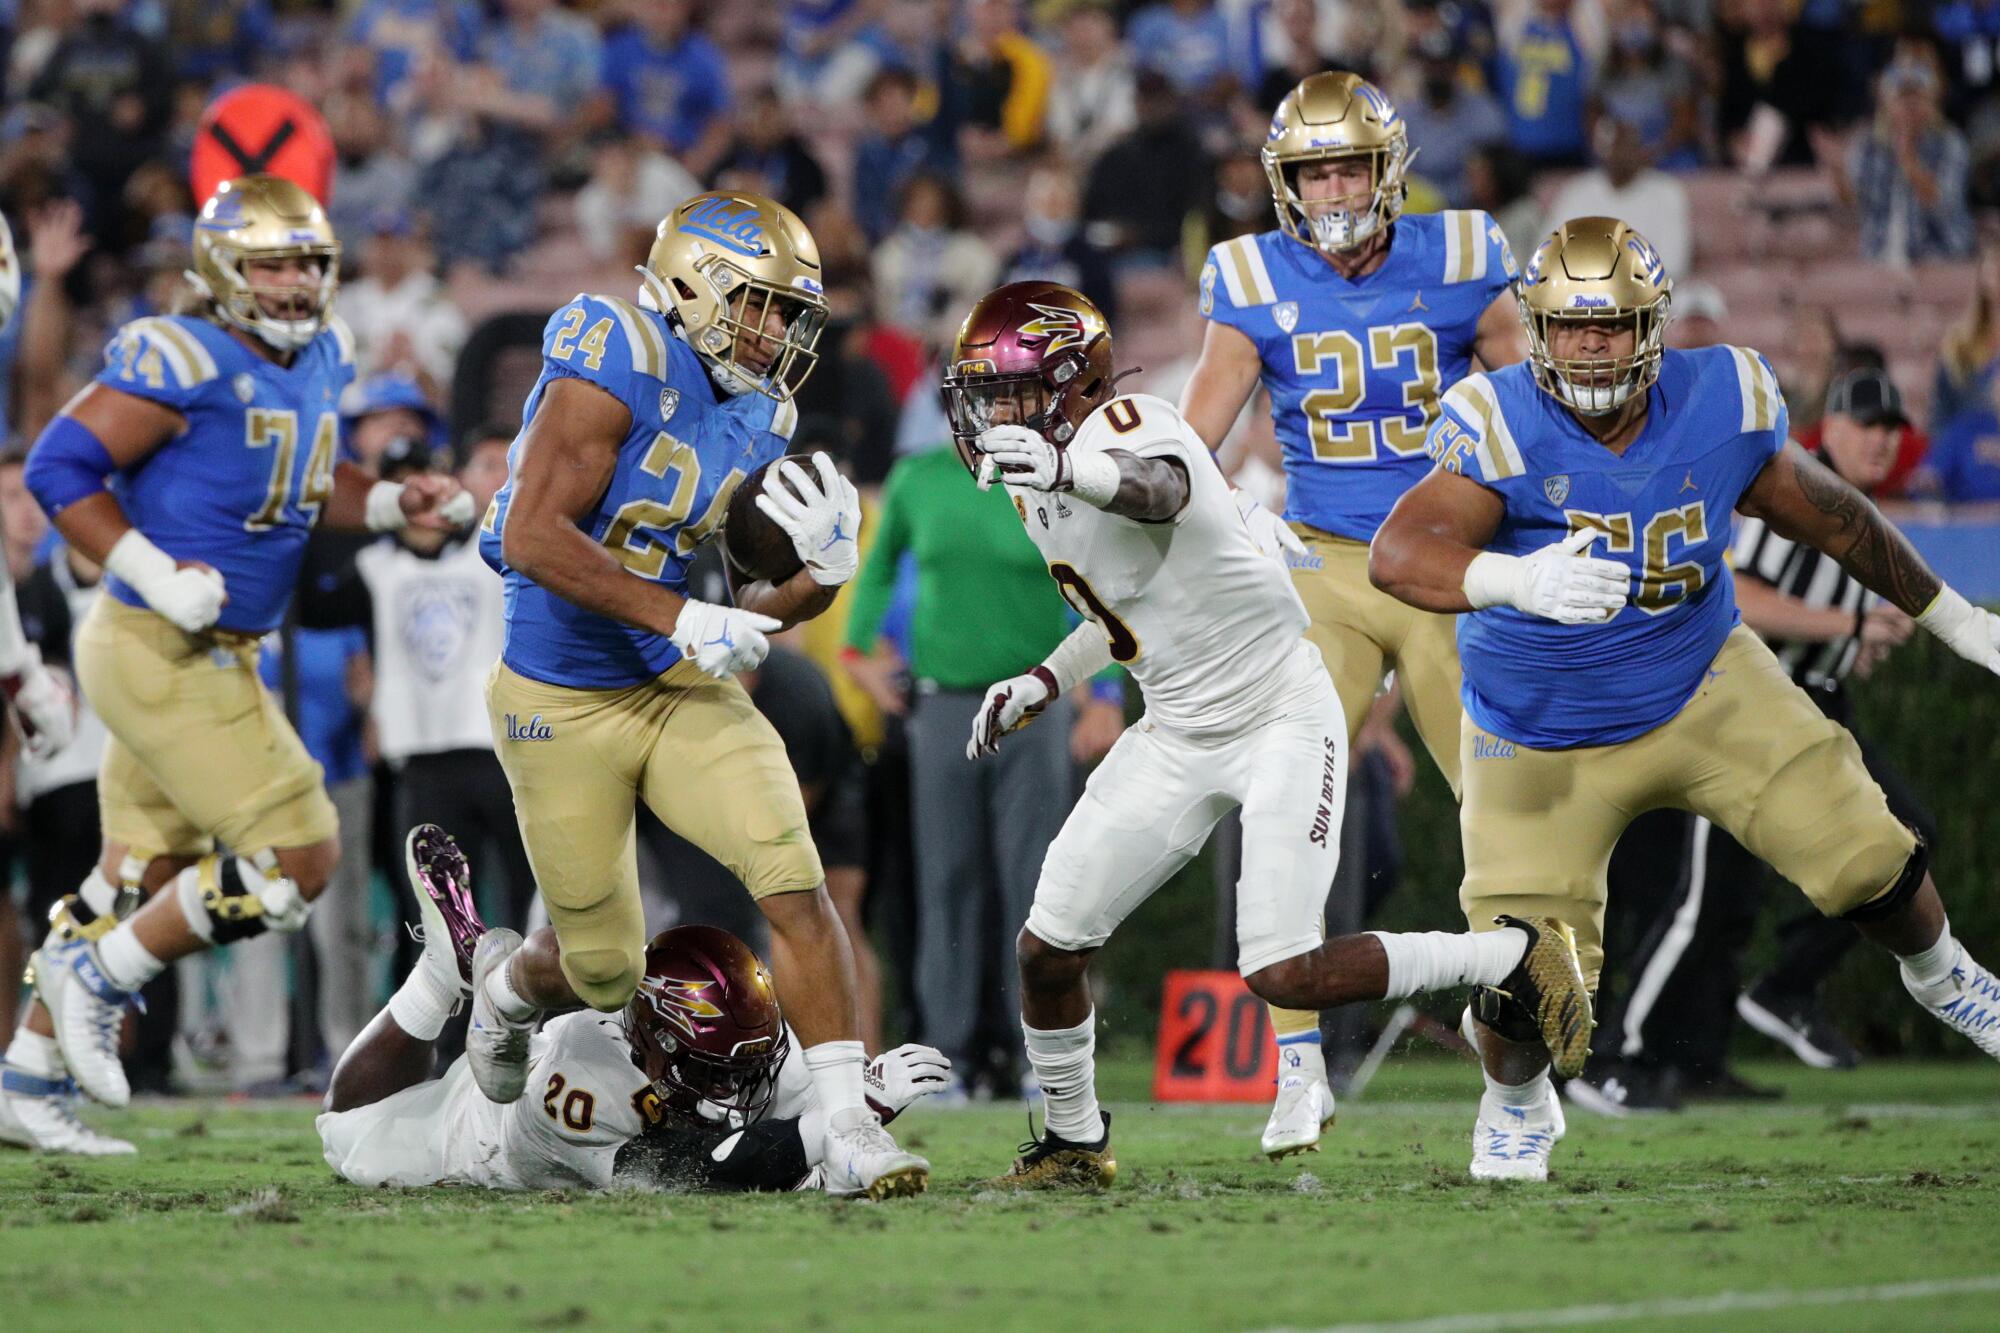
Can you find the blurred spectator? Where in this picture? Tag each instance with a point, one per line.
(1970, 349)
(1626, 187)
(44, 327)
(848, 407)
(1543, 79)
(1912, 445)
(372, 177)
(406, 36)
(1447, 119)
(890, 150)
(380, 410)
(1811, 365)
(1651, 88)
(1964, 460)
(632, 186)
(214, 39)
(1090, 96)
(113, 85)
(1970, 33)
(1701, 316)
(434, 611)
(768, 156)
(156, 206)
(668, 81)
(403, 321)
(848, 260)
(931, 268)
(1776, 87)
(1497, 180)
(1907, 174)
(829, 49)
(1305, 49)
(1239, 205)
(545, 64)
(1002, 80)
(1186, 40)
(1054, 249)
(1137, 197)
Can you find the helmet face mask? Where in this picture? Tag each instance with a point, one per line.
(257, 221)
(722, 265)
(1336, 117)
(1033, 354)
(1595, 273)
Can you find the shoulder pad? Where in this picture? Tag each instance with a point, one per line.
(1244, 279)
(180, 349)
(1763, 403)
(602, 337)
(1475, 249)
(1472, 426)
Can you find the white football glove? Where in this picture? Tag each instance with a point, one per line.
(190, 597)
(1021, 457)
(1009, 705)
(822, 520)
(1272, 535)
(44, 708)
(1558, 582)
(1970, 631)
(897, 1078)
(722, 640)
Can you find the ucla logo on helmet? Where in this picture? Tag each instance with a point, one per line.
(730, 223)
(228, 214)
(1647, 259)
(1556, 488)
(1377, 103)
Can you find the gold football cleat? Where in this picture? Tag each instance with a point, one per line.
(1548, 987)
(1054, 1163)
(904, 1183)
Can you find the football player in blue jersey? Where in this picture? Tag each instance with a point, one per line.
(192, 469)
(1602, 685)
(1354, 317)
(615, 686)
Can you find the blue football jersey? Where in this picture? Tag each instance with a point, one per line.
(687, 451)
(1354, 368)
(242, 486)
(1666, 508)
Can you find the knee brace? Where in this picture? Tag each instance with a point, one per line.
(228, 898)
(604, 979)
(1891, 900)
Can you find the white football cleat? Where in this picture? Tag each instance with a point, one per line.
(496, 1048)
(88, 1013)
(861, 1159)
(39, 1114)
(1514, 1142)
(1970, 1004)
(1302, 1113)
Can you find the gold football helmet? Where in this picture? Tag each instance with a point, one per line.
(1596, 270)
(721, 263)
(1336, 115)
(265, 217)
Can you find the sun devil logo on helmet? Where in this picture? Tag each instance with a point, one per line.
(1063, 328)
(681, 1002)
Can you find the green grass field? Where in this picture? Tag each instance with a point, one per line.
(1817, 1212)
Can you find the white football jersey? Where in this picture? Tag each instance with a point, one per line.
(1203, 620)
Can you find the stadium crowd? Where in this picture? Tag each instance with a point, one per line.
(495, 156)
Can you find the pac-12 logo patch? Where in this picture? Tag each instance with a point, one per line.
(670, 402)
(1287, 315)
(1556, 487)
(244, 387)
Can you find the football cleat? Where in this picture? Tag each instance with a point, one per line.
(88, 1013)
(1548, 986)
(442, 881)
(1799, 1025)
(1303, 1112)
(40, 1114)
(496, 1048)
(1968, 1003)
(1052, 1162)
(1621, 1089)
(861, 1159)
(1514, 1142)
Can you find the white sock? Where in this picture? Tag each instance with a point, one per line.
(1929, 972)
(421, 1005)
(1526, 1095)
(126, 963)
(1065, 1060)
(1440, 960)
(1301, 1054)
(500, 990)
(99, 894)
(836, 1068)
(32, 1053)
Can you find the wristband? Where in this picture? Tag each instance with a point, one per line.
(1048, 679)
(384, 511)
(1489, 580)
(139, 564)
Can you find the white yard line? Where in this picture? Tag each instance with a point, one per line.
(1727, 1302)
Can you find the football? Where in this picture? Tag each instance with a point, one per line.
(750, 540)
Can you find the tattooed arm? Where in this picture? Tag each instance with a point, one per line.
(1150, 490)
(1803, 499)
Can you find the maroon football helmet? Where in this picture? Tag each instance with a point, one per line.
(705, 1025)
(1037, 354)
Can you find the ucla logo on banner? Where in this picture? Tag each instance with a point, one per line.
(534, 729)
(730, 223)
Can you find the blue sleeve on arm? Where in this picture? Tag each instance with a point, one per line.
(67, 464)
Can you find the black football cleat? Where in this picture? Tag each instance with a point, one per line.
(1547, 988)
(1053, 1162)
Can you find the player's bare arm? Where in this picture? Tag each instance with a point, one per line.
(1117, 481)
(1773, 615)
(1424, 547)
(1499, 338)
(1224, 377)
(1802, 498)
(1150, 490)
(129, 428)
(362, 502)
(790, 602)
(568, 455)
